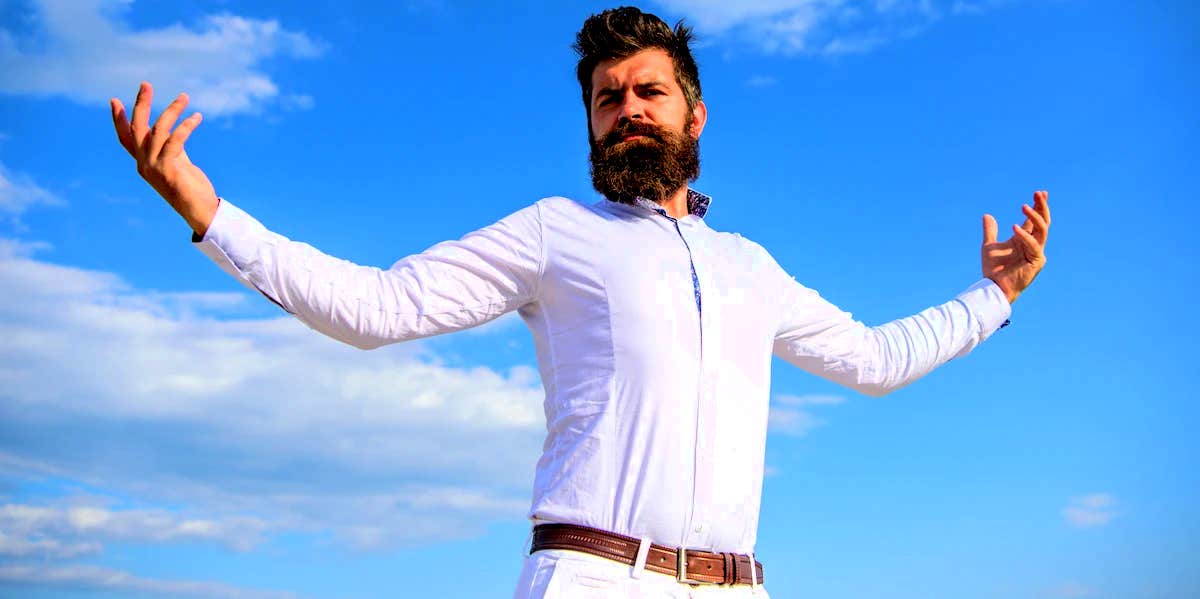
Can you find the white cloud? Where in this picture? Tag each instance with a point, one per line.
(761, 81)
(974, 7)
(822, 27)
(796, 423)
(259, 419)
(809, 400)
(81, 49)
(925, 7)
(83, 528)
(716, 16)
(85, 577)
(18, 192)
(791, 414)
(23, 547)
(1090, 511)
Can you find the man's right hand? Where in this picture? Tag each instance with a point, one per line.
(161, 160)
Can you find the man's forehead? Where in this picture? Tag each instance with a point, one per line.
(648, 65)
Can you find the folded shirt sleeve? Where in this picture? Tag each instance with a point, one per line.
(822, 339)
(451, 286)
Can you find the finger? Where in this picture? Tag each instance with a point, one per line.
(162, 127)
(989, 229)
(121, 123)
(1040, 227)
(174, 145)
(141, 114)
(1042, 205)
(1029, 245)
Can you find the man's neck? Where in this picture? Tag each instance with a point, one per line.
(677, 204)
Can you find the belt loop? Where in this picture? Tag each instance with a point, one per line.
(525, 548)
(753, 575)
(640, 563)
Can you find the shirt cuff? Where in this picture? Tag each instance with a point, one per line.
(988, 306)
(230, 241)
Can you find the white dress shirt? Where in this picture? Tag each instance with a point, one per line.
(654, 339)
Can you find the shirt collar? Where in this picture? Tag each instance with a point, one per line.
(697, 204)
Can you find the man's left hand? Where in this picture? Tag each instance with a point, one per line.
(1013, 264)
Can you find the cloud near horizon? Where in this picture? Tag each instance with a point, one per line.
(83, 526)
(246, 428)
(792, 414)
(97, 578)
(247, 414)
(1090, 511)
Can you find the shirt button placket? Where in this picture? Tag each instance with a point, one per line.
(705, 421)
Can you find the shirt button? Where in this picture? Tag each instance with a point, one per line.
(699, 528)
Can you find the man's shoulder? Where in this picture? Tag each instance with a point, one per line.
(547, 208)
(743, 245)
(560, 203)
(559, 208)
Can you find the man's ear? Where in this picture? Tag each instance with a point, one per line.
(699, 117)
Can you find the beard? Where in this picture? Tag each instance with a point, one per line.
(653, 167)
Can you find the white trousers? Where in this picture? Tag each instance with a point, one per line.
(563, 574)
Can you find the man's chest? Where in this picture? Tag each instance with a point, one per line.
(654, 285)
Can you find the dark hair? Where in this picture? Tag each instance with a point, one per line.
(622, 32)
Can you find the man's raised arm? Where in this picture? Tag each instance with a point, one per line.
(451, 286)
(825, 340)
(161, 159)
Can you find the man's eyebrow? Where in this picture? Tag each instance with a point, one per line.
(608, 90)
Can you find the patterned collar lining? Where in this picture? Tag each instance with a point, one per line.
(697, 204)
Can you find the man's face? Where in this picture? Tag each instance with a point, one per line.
(644, 140)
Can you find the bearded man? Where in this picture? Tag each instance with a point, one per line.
(654, 333)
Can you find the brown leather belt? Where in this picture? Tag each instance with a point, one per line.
(687, 566)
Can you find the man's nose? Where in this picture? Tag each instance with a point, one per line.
(632, 108)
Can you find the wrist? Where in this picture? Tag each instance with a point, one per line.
(1009, 293)
(199, 214)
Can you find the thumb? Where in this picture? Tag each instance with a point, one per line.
(989, 229)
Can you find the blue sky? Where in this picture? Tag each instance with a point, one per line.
(164, 433)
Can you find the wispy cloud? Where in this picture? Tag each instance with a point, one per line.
(1090, 511)
(792, 414)
(96, 578)
(1070, 590)
(821, 27)
(761, 81)
(974, 7)
(14, 546)
(246, 416)
(66, 531)
(19, 192)
(258, 427)
(809, 400)
(83, 50)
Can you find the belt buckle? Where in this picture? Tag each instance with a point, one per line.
(681, 569)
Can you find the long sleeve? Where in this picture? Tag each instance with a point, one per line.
(822, 339)
(452, 285)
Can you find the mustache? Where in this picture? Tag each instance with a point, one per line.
(653, 169)
(630, 127)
